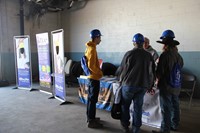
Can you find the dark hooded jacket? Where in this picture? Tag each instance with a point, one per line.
(136, 68)
(166, 62)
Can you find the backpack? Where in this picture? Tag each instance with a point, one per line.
(84, 65)
(175, 76)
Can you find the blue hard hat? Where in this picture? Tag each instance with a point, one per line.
(95, 33)
(167, 34)
(138, 38)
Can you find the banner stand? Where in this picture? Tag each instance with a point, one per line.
(52, 97)
(66, 102)
(30, 89)
(15, 88)
(63, 102)
(57, 47)
(44, 65)
(45, 92)
(33, 89)
(23, 67)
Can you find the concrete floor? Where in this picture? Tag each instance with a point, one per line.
(22, 111)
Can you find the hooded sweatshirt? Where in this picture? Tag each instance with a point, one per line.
(166, 62)
(92, 61)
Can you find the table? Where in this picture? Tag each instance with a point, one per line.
(151, 112)
(105, 97)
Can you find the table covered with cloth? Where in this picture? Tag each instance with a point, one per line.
(105, 92)
(151, 114)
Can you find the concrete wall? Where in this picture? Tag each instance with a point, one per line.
(119, 20)
(10, 26)
(46, 23)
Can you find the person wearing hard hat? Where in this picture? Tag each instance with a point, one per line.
(134, 77)
(93, 78)
(150, 49)
(169, 92)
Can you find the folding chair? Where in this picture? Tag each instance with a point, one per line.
(188, 86)
(67, 68)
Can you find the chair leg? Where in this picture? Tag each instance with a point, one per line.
(190, 100)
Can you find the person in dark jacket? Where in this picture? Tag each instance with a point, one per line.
(135, 80)
(169, 100)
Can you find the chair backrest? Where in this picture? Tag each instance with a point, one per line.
(188, 82)
(65, 60)
(68, 66)
(76, 69)
(188, 85)
(188, 77)
(108, 68)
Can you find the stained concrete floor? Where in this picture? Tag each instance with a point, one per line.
(22, 111)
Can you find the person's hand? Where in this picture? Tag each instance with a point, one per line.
(151, 91)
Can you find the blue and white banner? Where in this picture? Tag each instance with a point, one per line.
(151, 110)
(58, 64)
(105, 92)
(151, 114)
(23, 62)
(44, 60)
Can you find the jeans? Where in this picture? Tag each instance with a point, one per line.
(170, 110)
(93, 92)
(136, 95)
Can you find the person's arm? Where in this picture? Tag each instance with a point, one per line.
(155, 56)
(181, 62)
(122, 66)
(93, 63)
(161, 67)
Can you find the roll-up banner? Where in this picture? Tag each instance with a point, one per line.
(44, 62)
(23, 62)
(58, 64)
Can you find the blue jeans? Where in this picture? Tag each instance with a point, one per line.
(93, 93)
(136, 95)
(169, 104)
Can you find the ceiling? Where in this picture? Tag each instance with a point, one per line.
(38, 8)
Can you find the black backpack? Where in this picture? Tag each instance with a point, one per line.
(116, 107)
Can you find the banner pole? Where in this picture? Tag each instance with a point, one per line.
(16, 73)
(57, 40)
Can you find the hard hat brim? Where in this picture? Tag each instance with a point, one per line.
(175, 42)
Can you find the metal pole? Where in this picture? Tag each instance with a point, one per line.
(1, 27)
(21, 13)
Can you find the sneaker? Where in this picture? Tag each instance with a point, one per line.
(96, 119)
(94, 124)
(174, 129)
(125, 129)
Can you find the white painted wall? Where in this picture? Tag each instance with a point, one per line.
(119, 20)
